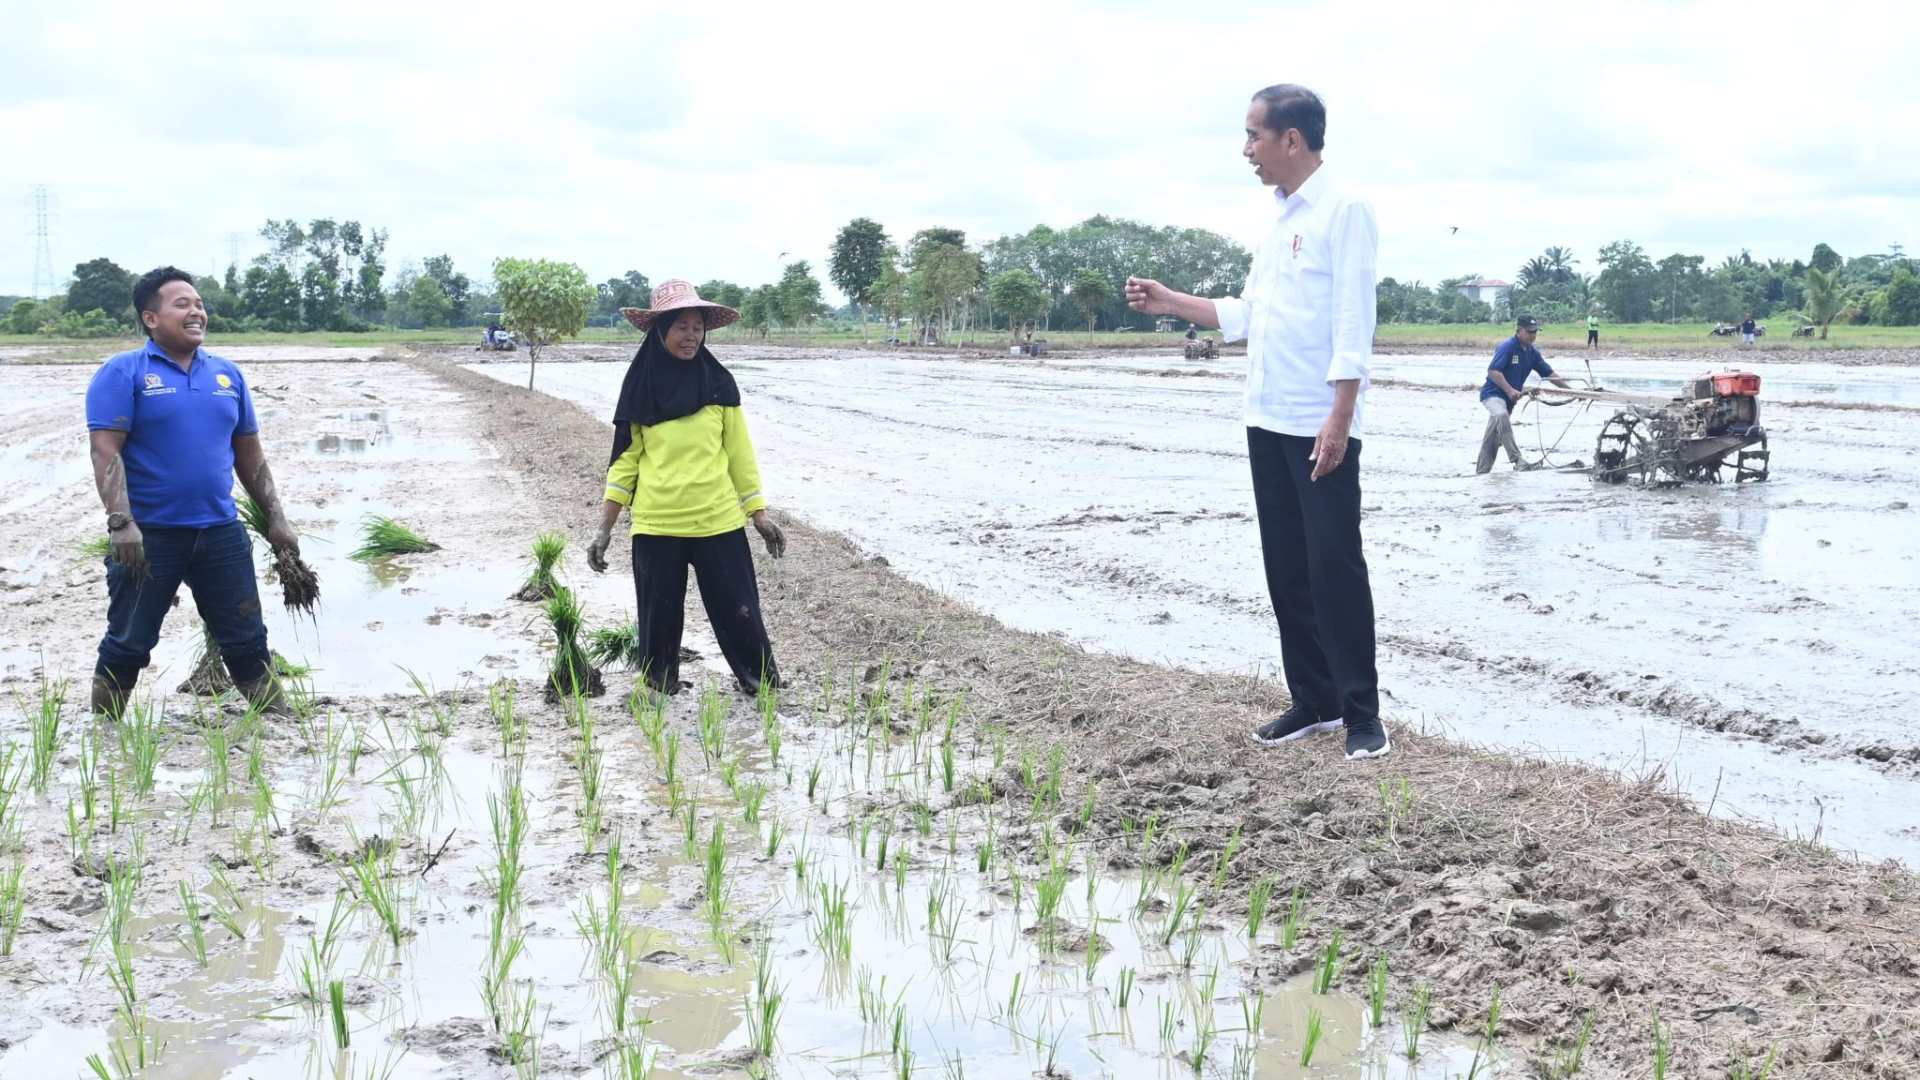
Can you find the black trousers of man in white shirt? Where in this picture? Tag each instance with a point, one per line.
(1316, 575)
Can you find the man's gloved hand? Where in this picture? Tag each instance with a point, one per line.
(776, 540)
(597, 551)
(129, 548)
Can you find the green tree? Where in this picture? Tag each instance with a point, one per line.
(797, 296)
(631, 289)
(942, 274)
(1019, 295)
(23, 317)
(859, 251)
(1900, 300)
(101, 285)
(722, 292)
(1826, 298)
(1825, 259)
(542, 301)
(1628, 281)
(1090, 292)
(270, 296)
(889, 289)
(757, 309)
(428, 302)
(458, 287)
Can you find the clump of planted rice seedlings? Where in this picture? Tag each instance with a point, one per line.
(1183, 895)
(1567, 1060)
(763, 1008)
(1662, 1046)
(616, 646)
(1296, 914)
(1740, 1070)
(813, 780)
(573, 673)
(1253, 1013)
(774, 831)
(1329, 967)
(1416, 1025)
(1257, 902)
(381, 537)
(44, 716)
(588, 760)
(649, 713)
(541, 582)
(715, 867)
(713, 725)
(371, 874)
(1314, 1024)
(1483, 1050)
(197, 935)
(833, 927)
(323, 947)
(337, 1002)
(751, 795)
(1377, 991)
(140, 745)
(1123, 990)
(13, 905)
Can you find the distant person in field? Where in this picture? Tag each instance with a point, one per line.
(1307, 313)
(1748, 330)
(1593, 330)
(683, 464)
(169, 425)
(1513, 360)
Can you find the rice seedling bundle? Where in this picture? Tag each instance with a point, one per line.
(382, 536)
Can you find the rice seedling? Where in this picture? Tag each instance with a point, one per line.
(1662, 1046)
(617, 646)
(649, 714)
(886, 838)
(92, 549)
(1483, 1050)
(813, 781)
(1167, 1024)
(715, 865)
(140, 746)
(713, 725)
(1742, 1069)
(1315, 1022)
(1416, 1024)
(1225, 861)
(774, 832)
(337, 1000)
(371, 874)
(13, 905)
(299, 585)
(190, 903)
(1329, 967)
(382, 537)
(1204, 1034)
(1013, 997)
(316, 961)
(1377, 990)
(670, 761)
(1182, 901)
(1568, 1059)
(228, 908)
(763, 1008)
(540, 583)
(803, 855)
(767, 701)
(1257, 901)
(947, 766)
(833, 929)
(1253, 1015)
(1296, 914)
(1124, 990)
(44, 718)
(573, 673)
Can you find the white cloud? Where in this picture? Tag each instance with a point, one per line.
(702, 142)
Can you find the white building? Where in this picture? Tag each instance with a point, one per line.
(1488, 291)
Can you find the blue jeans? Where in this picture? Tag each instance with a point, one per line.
(217, 564)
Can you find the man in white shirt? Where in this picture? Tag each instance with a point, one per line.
(1307, 313)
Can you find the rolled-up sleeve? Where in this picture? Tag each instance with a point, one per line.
(1356, 244)
(1231, 313)
(742, 466)
(624, 473)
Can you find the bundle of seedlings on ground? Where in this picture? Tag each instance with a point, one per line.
(382, 537)
(546, 555)
(573, 671)
(615, 646)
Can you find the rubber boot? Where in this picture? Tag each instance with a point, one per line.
(109, 700)
(265, 696)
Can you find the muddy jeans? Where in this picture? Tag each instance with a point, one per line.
(217, 565)
(1316, 575)
(1499, 433)
(724, 565)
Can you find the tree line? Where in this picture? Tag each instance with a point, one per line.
(1876, 289)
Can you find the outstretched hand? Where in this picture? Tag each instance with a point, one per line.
(1149, 297)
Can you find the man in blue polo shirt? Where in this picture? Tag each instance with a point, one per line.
(169, 425)
(1513, 361)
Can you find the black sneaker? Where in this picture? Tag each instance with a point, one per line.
(1297, 722)
(1368, 739)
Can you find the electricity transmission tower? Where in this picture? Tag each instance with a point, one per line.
(42, 250)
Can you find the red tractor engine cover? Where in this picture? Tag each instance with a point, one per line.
(1732, 383)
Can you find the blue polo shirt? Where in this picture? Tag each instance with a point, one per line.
(180, 429)
(1516, 362)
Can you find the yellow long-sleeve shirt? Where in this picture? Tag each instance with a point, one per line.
(694, 476)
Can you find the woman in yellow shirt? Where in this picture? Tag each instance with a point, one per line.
(683, 463)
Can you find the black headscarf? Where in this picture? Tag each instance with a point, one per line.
(660, 386)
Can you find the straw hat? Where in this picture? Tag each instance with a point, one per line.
(677, 295)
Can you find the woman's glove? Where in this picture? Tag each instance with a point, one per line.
(770, 532)
(597, 551)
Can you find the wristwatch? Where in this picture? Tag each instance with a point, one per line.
(118, 520)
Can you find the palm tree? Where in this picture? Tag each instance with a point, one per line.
(1536, 271)
(1826, 297)
(1560, 262)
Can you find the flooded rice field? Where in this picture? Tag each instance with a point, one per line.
(428, 871)
(1751, 644)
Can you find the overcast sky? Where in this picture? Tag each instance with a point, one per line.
(704, 140)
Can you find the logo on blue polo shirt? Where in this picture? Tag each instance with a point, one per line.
(155, 386)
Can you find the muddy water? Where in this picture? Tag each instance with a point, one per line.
(1753, 643)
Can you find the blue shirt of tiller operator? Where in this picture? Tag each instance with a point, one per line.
(180, 429)
(1516, 362)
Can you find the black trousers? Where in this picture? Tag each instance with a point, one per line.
(1316, 575)
(729, 592)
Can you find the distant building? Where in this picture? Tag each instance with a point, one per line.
(1488, 291)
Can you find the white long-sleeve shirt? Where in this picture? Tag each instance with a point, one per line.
(1308, 309)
